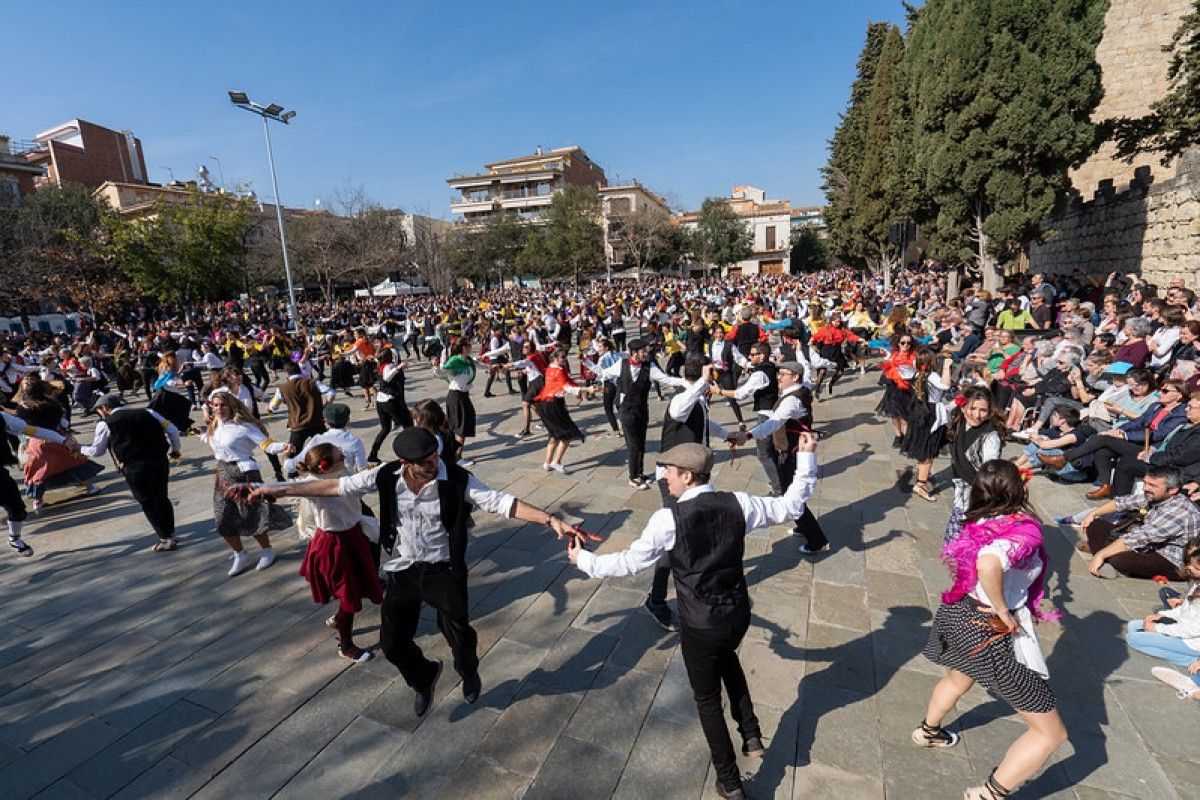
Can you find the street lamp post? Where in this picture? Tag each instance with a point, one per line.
(273, 111)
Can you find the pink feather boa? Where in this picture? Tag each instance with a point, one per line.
(1022, 531)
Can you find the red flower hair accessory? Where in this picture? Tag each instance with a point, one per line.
(1161, 579)
(323, 465)
(960, 400)
(1026, 473)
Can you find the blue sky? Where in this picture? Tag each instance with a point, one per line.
(689, 98)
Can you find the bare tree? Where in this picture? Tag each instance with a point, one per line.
(373, 237)
(429, 252)
(644, 238)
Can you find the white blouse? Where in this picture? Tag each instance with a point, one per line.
(1017, 581)
(237, 441)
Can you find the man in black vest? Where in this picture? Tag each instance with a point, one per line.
(763, 386)
(138, 439)
(788, 419)
(424, 513)
(633, 376)
(704, 535)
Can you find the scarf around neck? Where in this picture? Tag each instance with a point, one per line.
(1021, 531)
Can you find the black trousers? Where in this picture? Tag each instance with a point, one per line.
(10, 497)
(1105, 452)
(807, 526)
(662, 570)
(634, 428)
(148, 483)
(445, 590)
(1131, 564)
(710, 656)
(768, 456)
(610, 400)
(390, 412)
(1127, 472)
(297, 438)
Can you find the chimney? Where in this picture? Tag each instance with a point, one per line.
(538, 151)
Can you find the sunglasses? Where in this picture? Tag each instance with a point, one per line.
(905, 341)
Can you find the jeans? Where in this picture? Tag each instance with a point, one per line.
(1068, 473)
(710, 656)
(1159, 645)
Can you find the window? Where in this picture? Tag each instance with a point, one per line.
(771, 237)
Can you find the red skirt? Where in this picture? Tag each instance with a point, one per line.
(339, 564)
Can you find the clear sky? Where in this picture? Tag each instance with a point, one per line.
(689, 98)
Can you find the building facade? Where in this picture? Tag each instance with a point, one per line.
(17, 176)
(523, 186)
(83, 152)
(769, 223)
(618, 204)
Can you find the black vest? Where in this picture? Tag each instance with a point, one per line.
(135, 436)
(710, 581)
(455, 509)
(395, 386)
(745, 336)
(635, 394)
(693, 430)
(765, 398)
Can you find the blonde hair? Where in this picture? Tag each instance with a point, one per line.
(240, 412)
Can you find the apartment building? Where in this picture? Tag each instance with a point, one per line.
(83, 152)
(523, 186)
(617, 203)
(769, 223)
(17, 176)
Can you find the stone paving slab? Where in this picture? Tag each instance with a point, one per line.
(130, 674)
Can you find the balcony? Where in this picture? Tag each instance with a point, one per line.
(535, 201)
(463, 205)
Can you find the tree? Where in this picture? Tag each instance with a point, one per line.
(55, 252)
(721, 237)
(574, 236)
(1002, 93)
(372, 237)
(846, 148)
(478, 252)
(184, 251)
(1173, 124)
(319, 246)
(646, 238)
(430, 246)
(809, 251)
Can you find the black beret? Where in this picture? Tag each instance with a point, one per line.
(414, 444)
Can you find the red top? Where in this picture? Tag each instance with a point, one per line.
(829, 334)
(557, 380)
(891, 367)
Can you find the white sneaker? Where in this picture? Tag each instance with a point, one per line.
(1182, 684)
(241, 563)
(466, 462)
(559, 468)
(1024, 436)
(546, 466)
(265, 558)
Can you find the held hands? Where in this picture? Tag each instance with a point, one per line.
(576, 537)
(1148, 622)
(738, 438)
(807, 442)
(1194, 667)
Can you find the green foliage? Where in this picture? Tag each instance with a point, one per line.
(848, 145)
(1002, 93)
(574, 236)
(1173, 124)
(721, 237)
(185, 250)
(809, 251)
(647, 239)
(478, 252)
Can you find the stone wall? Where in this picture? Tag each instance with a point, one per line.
(1142, 216)
(1150, 227)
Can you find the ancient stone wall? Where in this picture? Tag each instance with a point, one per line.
(1142, 216)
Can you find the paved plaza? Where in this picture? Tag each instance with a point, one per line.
(127, 673)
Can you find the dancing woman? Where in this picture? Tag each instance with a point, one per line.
(898, 371)
(459, 371)
(983, 631)
(976, 435)
(234, 434)
(926, 429)
(552, 408)
(390, 405)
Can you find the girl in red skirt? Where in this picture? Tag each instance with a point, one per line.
(339, 563)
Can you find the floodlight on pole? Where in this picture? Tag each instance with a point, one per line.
(273, 111)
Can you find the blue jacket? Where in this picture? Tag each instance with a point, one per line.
(1133, 429)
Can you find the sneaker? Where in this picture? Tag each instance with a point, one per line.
(37, 506)
(545, 466)
(754, 747)
(1023, 436)
(1065, 521)
(559, 468)
(661, 613)
(730, 792)
(265, 558)
(466, 462)
(804, 548)
(1182, 684)
(164, 545)
(92, 490)
(522, 434)
(641, 486)
(22, 548)
(241, 563)
(355, 654)
(939, 738)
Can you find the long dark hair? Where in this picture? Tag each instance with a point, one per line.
(998, 490)
(924, 363)
(995, 416)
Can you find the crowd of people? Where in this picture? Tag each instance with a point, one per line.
(1087, 379)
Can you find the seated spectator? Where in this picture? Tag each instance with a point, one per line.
(1188, 348)
(1154, 545)
(1130, 439)
(1135, 350)
(1128, 398)
(1180, 450)
(1013, 317)
(1086, 384)
(1172, 633)
(1065, 431)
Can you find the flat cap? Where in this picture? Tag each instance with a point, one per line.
(337, 414)
(638, 344)
(792, 366)
(414, 444)
(693, 457)
(110, 401)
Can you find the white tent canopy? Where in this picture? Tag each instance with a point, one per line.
(391, 288)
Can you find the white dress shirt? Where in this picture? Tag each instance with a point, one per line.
(789, 407)
(757, 380)
(658, 537)
(421, 535)
(656, 375)
(18, 427)
(100, 438)
(681, 405)
(388, 373)
(353, 451)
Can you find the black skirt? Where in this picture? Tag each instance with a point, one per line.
(557, 420)
(896, 402)
(461, 413)
(960, 629)
(533, 388)
(920, 444)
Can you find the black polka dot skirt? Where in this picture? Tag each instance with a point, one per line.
(959, 640)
